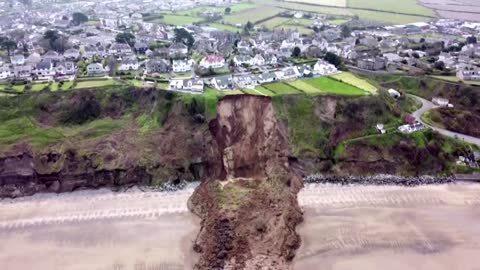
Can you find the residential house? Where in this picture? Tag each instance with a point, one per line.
(468, 73)
(177, 49)
(410, 128)
(22, 71)
(53, 56)
(441, 102)
(258, 60)
(323, 68)
(266, 77)
(394, 93)
(90, 51)
(71, 54)
(33, 59)
(191, 85)
(245, 81)
(5, 72)
(239, 60)
(140, 47)
(45, 68)
(377, 63)
(290, 73)
(213, 61)
(66, 68)
(222, 82)
(120, 49)
(270, 59)
(157, 65)
(129, 63)
(95, 69)
(17, 59)
(182, 65)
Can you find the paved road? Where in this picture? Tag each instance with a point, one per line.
(427, 105)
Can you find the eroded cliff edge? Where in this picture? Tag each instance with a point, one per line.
(249, 210)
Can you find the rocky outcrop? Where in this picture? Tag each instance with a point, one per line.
(249, 210)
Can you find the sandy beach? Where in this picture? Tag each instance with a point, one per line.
(372, 227)
(98, 230)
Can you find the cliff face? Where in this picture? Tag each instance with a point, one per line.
(249, 210)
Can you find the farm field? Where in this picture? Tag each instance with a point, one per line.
(351, 79)
(314, 9)
(225, 27)
(337, 3)
(253, 16)
(305, 87)
(264, 91)
(403, 6)
(338, 21)
(389, 18)
(275, 22)
(331, 86)
(281, 88)
(289, 24)
(178, 19)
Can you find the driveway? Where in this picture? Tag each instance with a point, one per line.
(428, 105)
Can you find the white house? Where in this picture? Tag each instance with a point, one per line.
(71, 54)
(394, 93)
(17, 60)
(239, 60)
(95, 69)
(65, 68)
(245, 81)
(182, 65)
(213, 61)
(178, 49)
(130, 63)
(222, 82)
(258, 60)
(441, 102)
(192, 85)
(266, 77)
(324, 68)
(5, 72)
(409, 128)
(120, 49)
(45, 68)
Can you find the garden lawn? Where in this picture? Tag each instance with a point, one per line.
(281, 88)
(39, 86)
(305, 87)
(179, 20)
(94, 83)
(251, 92)
(351, 79)
(264, 91)
(331, 86)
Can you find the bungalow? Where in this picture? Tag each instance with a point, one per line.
(177, 49)
(186, 85)
(323, 68)
(130, 63)
(410, 128)
(45, 68)
(182, 65)
(245, 81)
(17, 59)
(71, 54)
(5, 72)
(266, 77)
(441, 102)
(157, 65)
(222, 82)
(65, 68)
(239, 60)
(95, 69)
(213, 61)
(290, 73)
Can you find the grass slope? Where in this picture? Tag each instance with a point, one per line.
(351, 79)
(331, 86)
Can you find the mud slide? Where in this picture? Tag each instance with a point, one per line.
(389, 227)
(98, 230)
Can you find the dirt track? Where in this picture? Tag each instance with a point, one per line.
(371, 227)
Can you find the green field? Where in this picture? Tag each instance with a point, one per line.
(351, 79)
(337, 3)
(94, 83)
(403, 6)
(178, 19)
(275, 22)
(314, 9)
(253, 16)
(288, 24)
(225, 27)
(389, 18)
(281, 88)
(338, 21)
(331, 86)
(264, 91)
(305, 87)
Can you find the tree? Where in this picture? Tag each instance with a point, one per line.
(7, 44)
(471, 40)
(346, 31)
(422, 40)
(333, 59)
(55, 41)
(111, 64)
(183, 36)
(248, 26)
(296, 52)
(440, 65)
(416, 55)
(125, 37)
(228, 10)
(79, 18)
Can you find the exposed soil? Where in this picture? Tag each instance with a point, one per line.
(249, 211)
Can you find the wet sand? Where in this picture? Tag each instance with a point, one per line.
(370, 227)
(101, 230)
